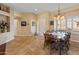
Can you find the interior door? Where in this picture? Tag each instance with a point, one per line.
(33, 26)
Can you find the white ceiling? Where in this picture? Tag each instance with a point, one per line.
(42, 7)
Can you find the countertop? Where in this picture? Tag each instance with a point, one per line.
(5, 37)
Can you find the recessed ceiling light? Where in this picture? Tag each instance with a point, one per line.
(35, 9)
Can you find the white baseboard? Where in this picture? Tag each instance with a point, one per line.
(75, 41)
(24, 35)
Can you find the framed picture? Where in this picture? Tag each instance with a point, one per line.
(51, 22)
(23, 23)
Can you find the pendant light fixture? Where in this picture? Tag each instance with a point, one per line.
(59, 16)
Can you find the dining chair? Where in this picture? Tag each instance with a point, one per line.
(53, 43)
(47, 39)
(64, 45)
(68, 41)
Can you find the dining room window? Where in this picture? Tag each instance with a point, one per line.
(73, 23)
(76, 23)
(60, 24)
(69, 24)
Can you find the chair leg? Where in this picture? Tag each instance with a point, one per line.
(44, 45)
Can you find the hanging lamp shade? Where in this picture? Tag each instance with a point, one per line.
(59, 16)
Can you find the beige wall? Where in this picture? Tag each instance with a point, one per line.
(26, 30)
(42, 20)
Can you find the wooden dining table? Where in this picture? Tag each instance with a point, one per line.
(59, 36)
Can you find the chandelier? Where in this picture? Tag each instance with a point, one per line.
(59, 16)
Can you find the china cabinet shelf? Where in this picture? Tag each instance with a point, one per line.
(4, 19)
(4, 27)
(4, 8)
(4, 13)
